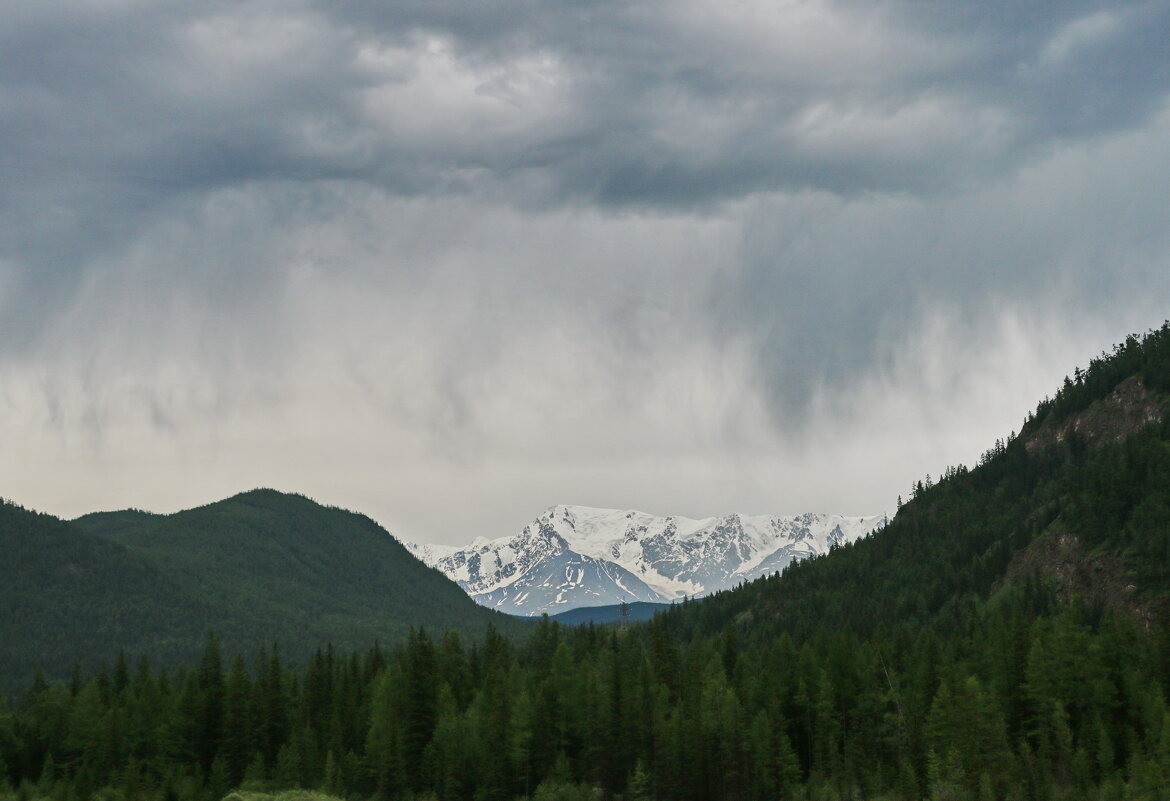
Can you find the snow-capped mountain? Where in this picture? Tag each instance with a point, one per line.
(573, 556)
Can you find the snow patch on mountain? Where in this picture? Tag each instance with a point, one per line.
(574, 556)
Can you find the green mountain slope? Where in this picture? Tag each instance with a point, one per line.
(259, 567)
(1079, 501)
(69, 596)
(285, 558)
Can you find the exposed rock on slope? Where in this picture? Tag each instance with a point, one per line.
(1126, 409)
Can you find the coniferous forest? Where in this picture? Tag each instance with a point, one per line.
(1004, 636)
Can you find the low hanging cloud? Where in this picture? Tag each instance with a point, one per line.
(684, 256)
(834, 284)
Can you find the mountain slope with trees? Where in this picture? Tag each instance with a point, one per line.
(325, 573)
(260, 567)
(1090, 468)
(67, 595)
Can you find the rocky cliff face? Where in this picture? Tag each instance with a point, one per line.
(1126, 409)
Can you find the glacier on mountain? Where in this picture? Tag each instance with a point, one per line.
(574, 556)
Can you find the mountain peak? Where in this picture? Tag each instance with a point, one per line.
(574, 555)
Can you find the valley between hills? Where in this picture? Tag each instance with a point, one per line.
(1003, 635)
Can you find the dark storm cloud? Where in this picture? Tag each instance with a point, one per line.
(875, 157)
(835, 289)
(109, 110)
(680, 105)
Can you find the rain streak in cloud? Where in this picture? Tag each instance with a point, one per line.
(452, 263)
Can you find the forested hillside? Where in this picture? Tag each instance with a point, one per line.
(261, 567)
(1004, 637)
(67, 595)
(1078, 502)
(292, 570)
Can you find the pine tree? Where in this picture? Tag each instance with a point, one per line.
(238, 742)
(209, 721)
(270, 709)
(419, 705)
(638, 788)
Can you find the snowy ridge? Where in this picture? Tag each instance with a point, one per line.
(573, 556)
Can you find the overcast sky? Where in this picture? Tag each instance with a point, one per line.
(448, 263)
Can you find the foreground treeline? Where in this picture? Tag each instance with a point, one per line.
(1033, 702)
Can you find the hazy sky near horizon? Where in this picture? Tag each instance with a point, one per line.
(450, 263)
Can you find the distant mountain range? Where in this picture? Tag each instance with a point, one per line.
(609, 615)
(578, 556)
